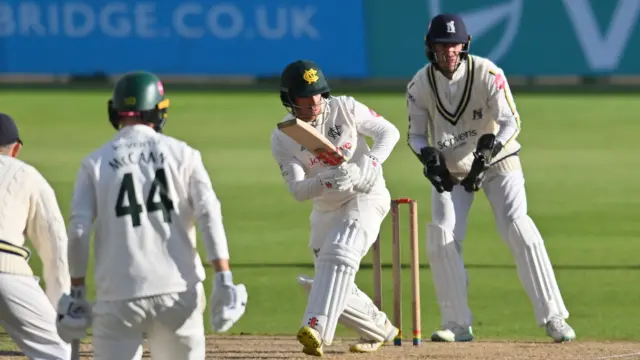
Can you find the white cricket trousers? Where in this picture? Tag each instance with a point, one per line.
(29, 318)
(172, 324)
(369, 209)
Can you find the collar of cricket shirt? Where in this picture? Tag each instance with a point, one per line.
(137, 128)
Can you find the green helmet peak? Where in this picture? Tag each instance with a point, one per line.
(302, 78)
(139, 94)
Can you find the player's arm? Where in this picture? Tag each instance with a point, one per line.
(46, 230)
(418, 120)
(208, 213)
(228, 301)
(384, 134)
(83, 212)
(503, 107)
(435, 168)
(293, 173)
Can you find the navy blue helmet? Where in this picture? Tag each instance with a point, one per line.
(447, 29)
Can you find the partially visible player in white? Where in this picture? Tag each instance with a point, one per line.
(144, 192)
(29, 209)
(349, 204)
(463, 125)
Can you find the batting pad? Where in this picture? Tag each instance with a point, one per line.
(360, 313)
(535, 270)
(336, 266)
(449, 276)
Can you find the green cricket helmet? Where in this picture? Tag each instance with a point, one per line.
(139, 94)
(302, 78)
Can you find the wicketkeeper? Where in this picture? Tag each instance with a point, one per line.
(463, 125)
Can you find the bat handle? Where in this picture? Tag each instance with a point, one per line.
(75, 350)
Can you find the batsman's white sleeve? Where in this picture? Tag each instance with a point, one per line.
(418, 116)
(207, 211)
(385, 135)
(83, 212)
(503, 108)
(293, 173)
(46, 229)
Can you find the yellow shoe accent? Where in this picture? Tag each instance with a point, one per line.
(310, 340)
(368, 346)
(365, 347)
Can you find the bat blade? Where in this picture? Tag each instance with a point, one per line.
(312, 140)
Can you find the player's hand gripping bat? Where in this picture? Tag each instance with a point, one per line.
(488, 147)
(307, 136)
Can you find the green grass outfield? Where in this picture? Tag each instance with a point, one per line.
(582, 181)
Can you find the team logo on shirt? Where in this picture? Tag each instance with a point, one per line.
(499, 80)
(457, 139)
(477, 114)
(335, 132)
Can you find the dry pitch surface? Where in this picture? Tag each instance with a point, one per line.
(271, 347)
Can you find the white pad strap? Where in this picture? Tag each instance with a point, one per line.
(360, 313)
(449, 276)
(535, 270)
(336, 267)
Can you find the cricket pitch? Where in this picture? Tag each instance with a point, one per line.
(281, 347)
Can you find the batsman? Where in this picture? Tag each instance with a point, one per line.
(463, 125)
(349, 203)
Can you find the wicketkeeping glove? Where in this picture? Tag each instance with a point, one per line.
(435, 169)
(488, 147)
(74, 315)
(228, 302)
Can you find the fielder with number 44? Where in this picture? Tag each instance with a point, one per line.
(463, 125)
(350, 202)
(144, 192)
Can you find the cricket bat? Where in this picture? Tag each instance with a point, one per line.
(75, 350)
(312, 140)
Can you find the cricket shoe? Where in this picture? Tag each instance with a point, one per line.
(454, 333)
(310, 340)
(559, 330)
(369, 346)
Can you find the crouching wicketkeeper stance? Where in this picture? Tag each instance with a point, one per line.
(350, 203)
(463, 125)
(144, 192)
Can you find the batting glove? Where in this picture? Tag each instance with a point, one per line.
(339, 178)
(74, 315)
(371, 171)
(228, 302)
